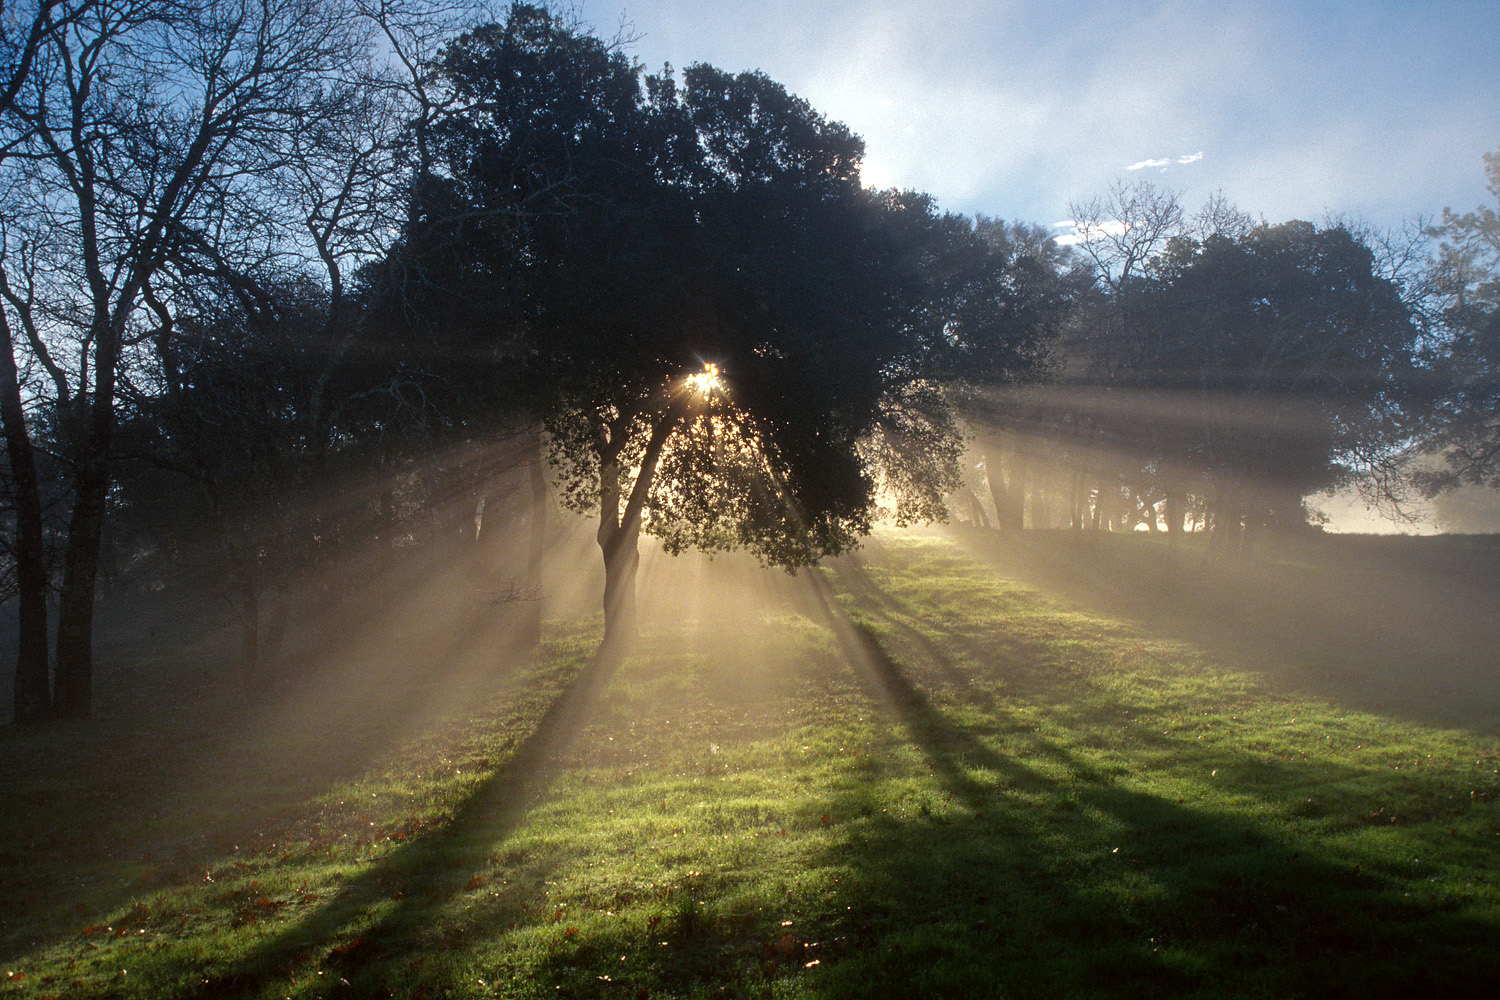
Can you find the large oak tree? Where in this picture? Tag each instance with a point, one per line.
(729, 340)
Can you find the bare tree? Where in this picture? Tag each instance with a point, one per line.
(23, 35)
(142, 143)
(1124, 229)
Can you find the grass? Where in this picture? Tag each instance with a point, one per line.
(913, 778)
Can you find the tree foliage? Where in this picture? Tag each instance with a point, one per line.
(1466, 426)
(605, 236)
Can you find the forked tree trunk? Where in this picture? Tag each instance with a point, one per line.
(620, 530)
(1005, 487)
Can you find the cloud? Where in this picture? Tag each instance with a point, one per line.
(1099, 231)
(1166, 162)
(1015, 109)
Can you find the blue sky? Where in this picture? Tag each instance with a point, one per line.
(1294, 110)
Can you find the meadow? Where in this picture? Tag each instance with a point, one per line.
(950, 765)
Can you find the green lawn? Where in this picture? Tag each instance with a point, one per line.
(906, 775)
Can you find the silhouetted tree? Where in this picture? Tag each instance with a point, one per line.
(24, 36)
(725, 336)
(141, 143)
(1297, 359)
(1006, 292)
(1466, 423)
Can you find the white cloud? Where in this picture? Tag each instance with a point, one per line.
(1109, 227)
(1014, 109)
(1166, 162)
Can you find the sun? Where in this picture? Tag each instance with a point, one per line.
(706, 382)
(875, 175)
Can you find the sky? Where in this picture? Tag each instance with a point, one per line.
(1377, 111)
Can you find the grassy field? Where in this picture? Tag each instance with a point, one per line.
(947, 768)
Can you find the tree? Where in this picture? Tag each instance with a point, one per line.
(1298, 358)
(1008, 291)
(725, 336)
(141, 143)
(1465, 430)
(22, 39)
(1133, 434)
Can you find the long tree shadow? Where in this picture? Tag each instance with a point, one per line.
(375, 917)
(1404, 630)
(1063, 881)
(936, 643)
(291, 748)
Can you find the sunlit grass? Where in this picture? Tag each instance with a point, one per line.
(945, 785)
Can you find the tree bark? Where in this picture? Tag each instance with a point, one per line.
(1004, 487)
(620, 531)
(1019, 484)
(73, 696)
(73, 690)
(1224, 532)
(33, 696)
(621, 561)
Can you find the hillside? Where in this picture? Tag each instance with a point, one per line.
(909, 773)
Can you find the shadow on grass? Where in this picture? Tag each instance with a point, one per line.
(163, 800)
(1032, 884)
(375, 921)
(1401, 626)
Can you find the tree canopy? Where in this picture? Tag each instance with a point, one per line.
(730, 341)
(1466, 427)
(1303, 356)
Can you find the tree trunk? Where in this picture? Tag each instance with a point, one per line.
(33, 696)
(1224, 532)
(1174, 507)
(1143, 510)
(1040, 491)
(1009, 512)
(73, 691)
(73, 697)
(620, 531)
(621, 561)
(1020, 477)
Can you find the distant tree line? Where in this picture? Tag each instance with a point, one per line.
(294, 290)
(1216, 371)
